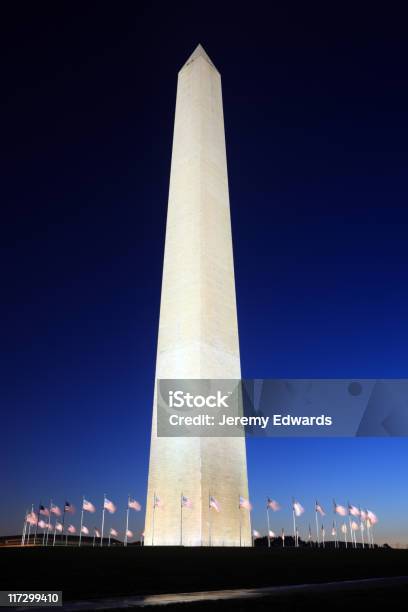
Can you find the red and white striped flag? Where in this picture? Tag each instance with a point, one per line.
(70, 508)
(97, 532)
(256, 534)
(340, 510)
(58, 526)
(271, 534)
(353, 510)
(109, 505)
(113, 532)
(42, 524)
(354, 526)
(363, 515)
(372, 517)
(214, 504)
(272, 504)
(134, 504)
(44, 511)
(298, 508)
(71, 529)
(319, 509)
(31, 518)
(85, 530)
(55, 510)
(86, 505)
(186, 502)
(244, 503)
(129, 534)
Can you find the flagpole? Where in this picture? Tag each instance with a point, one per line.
(109, 538)
(93, 544)
(345, 534)
(29, 525)
(154, 510)
(181, 519)
(127, 522)
(267, 518)
(351, 531)
(82, 518)
(55, 531)
(23, 535)
(294, 521)
(63, 523)
(317, 530)
(283, 538)
(322, 535)
(36, 525)
(49, 523)
(103, 518)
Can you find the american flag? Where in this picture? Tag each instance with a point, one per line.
(341, 510)
(186, 502)
(85, 530)
(157, 502)
(244, 503)
(372, 517)
(42, 524)
(271, 534)
(113, 532)
(55, 510)
(44, 511)
(86, 505)
(71, 529)
(354, 526)
(69, 508)
(214, 504)
(363, 515)
(129, 533)
(298, 508)
(319, 509)
(31, 518)
(58, 526)
(97, 532)
(353, 510)
(109, 505)
(134, 504)
(272, 504)
(256, 534)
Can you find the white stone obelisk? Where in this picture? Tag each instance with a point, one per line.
(198, 331)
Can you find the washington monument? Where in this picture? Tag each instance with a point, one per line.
(198, 331)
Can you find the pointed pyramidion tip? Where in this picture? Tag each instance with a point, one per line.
(199, 52)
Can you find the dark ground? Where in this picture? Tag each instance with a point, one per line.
(354, 599)
(91, 572)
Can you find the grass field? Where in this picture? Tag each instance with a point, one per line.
(104, 572)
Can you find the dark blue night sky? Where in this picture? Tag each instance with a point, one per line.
(315, 104)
